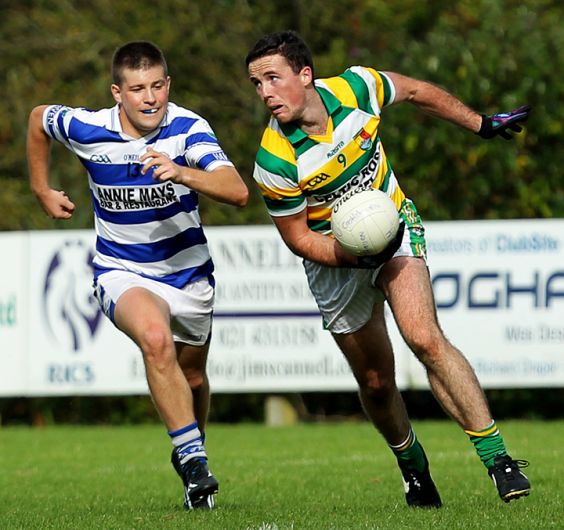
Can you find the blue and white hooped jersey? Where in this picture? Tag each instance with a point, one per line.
(144, 226)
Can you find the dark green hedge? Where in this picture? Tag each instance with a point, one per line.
(494, 54)
(235, 408)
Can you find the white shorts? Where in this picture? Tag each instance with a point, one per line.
(191, 307)
(346, 296)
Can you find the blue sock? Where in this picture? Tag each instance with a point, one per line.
(188, 443)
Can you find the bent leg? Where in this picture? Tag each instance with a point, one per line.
(407, 287)
(370, 356)
(145, 318)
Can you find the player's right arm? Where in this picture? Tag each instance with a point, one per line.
(306, 243)
(276, 174)
(55, 203)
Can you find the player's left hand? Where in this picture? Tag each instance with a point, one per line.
(500, 124)
(374, 261)
(163, 167)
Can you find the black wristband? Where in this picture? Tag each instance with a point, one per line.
(486, 128)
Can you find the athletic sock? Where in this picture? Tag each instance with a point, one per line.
(188, 442)
(410, 453)
(488, 443)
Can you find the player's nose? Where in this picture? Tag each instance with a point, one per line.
(265, 92)
(149, 96)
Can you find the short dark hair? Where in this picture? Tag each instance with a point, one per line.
(136, 55)
(287, 43)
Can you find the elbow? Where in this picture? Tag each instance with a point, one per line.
(36, 114)
(241, 198)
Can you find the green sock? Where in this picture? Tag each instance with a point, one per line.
(488, 443)
(410, 453)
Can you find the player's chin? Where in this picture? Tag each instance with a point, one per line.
(281, 116)
(150, 121)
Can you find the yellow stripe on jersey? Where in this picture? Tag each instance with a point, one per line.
(382, 170)
(379, 85)
(278, 193)
(398, 197)
(273, 142)
(342, 90)
(333, 169)
(318, 213)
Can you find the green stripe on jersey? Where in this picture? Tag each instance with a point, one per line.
(340, 115)
(387, 89)
(305, 145)
(360, 90)
(413, 223)
(319, 226)
(283, 205)
(337, 110)
(386, 180)
(276, 165)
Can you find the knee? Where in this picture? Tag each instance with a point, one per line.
(157, 346)
(197, 379)
(378, 385)
(428, 345)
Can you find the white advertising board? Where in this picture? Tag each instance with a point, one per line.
(13, 314)
(270, 354)
(73, 348)
(499, 287)
(268, 333)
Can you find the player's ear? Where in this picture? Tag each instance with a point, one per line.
(116, 92)
(306, 75)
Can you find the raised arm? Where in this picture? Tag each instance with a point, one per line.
(223, 184)
(55, 203)
(440, 103)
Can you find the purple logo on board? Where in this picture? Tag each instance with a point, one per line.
(71, 312)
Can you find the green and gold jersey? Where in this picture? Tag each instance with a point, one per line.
(295, 170)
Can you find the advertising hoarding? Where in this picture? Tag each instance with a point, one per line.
(499, 288)
(13, 314)
(73, 348)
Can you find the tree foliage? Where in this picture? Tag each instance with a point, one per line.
(493, 54)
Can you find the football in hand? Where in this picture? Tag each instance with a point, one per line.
(364, 222)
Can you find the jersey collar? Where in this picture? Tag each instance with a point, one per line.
(294, 133)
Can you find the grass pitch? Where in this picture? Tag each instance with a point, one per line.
(322, 476)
